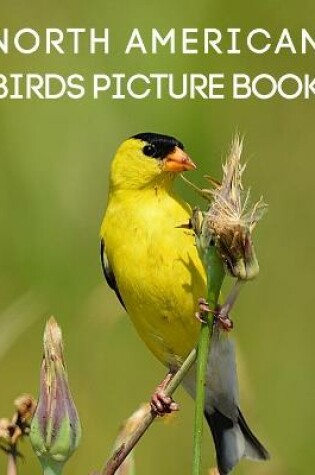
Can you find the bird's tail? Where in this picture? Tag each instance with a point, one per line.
(233, 440)
(232, 437)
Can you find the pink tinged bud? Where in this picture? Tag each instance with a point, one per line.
(55, 429)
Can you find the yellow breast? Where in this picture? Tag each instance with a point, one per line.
(157, 269)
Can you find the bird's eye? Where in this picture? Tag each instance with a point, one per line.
(149, 150)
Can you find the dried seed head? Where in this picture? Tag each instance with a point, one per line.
(231, 218)
(13, 430)
(25, 407)
(231, 204)
(5, 430)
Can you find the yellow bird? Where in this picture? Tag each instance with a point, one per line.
(150, 259)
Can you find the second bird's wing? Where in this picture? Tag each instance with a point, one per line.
(109, 273)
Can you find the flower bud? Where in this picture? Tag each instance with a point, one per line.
(55, 428)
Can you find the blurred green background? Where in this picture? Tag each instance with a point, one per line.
(55, 158)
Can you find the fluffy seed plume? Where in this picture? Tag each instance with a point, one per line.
(231, 218)
(231, 204)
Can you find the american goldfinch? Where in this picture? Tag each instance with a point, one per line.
(150, 259)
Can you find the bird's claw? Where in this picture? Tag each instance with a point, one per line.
(204, 310)
(198, 315)
(162, 404)
(222, 319)
(220, 315)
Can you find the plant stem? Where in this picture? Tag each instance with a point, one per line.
(12, 466)
(215, 276)
(202, 359)
(49, 469)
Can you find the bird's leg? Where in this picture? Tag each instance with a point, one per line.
(230, 301)
(220, 314)
(203, 310)
(162, 404)
(222, 318)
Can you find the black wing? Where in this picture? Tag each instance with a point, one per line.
(109, 274)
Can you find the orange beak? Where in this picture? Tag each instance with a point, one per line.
(178, 161)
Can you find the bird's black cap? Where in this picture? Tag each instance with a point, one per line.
(158, 145)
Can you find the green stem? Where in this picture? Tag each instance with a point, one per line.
(202, 352)
(52, 469)
(215, 276)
